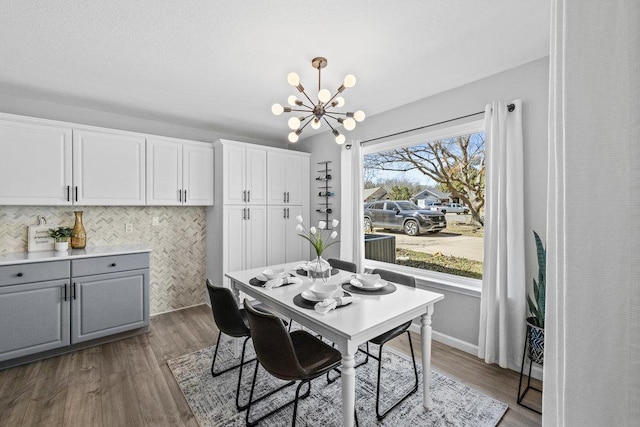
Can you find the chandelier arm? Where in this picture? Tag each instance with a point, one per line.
(327, 121)
(333, 97)
(305, 125)
(334, 112)
(310, 110)
(307, 96)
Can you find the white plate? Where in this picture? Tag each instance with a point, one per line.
(380, 284)
(309, 296)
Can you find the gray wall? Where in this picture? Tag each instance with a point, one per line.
(458, 317)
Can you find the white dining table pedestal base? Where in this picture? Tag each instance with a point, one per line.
(425, 335)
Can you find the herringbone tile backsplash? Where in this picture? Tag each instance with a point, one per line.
(178, 260)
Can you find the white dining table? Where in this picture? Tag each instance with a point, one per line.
(348, 326)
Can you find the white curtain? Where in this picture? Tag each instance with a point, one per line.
(592, 328)
(351, 200)
(502, 305)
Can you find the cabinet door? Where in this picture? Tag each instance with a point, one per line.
(197, 174)
(33, 318)
(107, 304)
(256, 176)
(233, 180)
(35, 164)
(296, 179)
(276, 235)
(295, 245)
(256, 237)
(233, 237)
(108, 168)
(276, 178)
(164, 172)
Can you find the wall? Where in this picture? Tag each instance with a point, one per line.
(178, 242)
(529, 83)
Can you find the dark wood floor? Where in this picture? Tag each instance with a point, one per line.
(128, 383)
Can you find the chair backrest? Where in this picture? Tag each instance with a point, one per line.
(273, 345)
(342, 265)
(226, 313)
(392, 276)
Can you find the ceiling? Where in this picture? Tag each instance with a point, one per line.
(220, 65)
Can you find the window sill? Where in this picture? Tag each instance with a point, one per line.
(433, 279)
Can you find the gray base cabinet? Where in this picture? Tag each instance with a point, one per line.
(90, 298)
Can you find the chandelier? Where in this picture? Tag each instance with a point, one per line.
(316, 112)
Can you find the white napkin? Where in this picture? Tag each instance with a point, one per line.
(329, 304)
(270, 284)
(304, 267)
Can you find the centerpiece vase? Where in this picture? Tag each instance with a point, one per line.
(319, 269)
(78, 234)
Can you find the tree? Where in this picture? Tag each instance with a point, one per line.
(400, 193)
(455, 164)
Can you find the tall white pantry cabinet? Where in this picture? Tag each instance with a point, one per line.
(258, 193)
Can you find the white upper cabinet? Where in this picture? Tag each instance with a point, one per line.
(288, 178)
(244, 174)
(35, 164)
(179, 173)
(108, 168)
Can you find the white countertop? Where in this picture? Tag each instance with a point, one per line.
(28, 257)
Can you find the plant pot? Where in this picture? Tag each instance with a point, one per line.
(61, 246)
(535, 337)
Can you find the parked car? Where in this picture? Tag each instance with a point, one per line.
(402, 215)
(449, 208)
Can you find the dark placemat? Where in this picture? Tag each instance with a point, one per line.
(389, 288)
(260, 283)
(303, 303)
(301, 272)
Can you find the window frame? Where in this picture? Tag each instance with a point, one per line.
(465, 285)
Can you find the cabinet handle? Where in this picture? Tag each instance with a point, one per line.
(68, 195)
(287, 213)
(180, 196)
(249, 196)
(284, 196)
(19, 274)
(185, 196)
(287, 197)
(74, 290)
(113, 264)
(244, 195)
(65, 291)
(76, 193)
(248, 213)
(284, 213)
(244, 213)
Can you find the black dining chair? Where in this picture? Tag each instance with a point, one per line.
(292, 356)
(342, 265)
(381, 340)
(232, 321)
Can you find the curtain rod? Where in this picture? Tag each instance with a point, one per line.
(510, 108)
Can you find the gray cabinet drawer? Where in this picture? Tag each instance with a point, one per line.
(109, 264)
(18, 274)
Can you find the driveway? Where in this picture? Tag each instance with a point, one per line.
(468, 247)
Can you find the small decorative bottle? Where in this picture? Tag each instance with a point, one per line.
(78, 235)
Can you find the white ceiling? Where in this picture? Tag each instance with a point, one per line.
(220, 65)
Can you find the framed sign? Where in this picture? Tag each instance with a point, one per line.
(38, 238)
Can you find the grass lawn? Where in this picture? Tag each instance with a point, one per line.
(438, 262)
(464, 229)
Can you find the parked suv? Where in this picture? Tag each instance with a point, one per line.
(402, 215)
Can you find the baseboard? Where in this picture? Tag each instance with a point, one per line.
(178, 309)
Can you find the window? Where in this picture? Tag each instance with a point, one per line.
(434, 195)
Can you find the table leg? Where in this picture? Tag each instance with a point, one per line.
(425, 333)
(236, 341)
(348, 389)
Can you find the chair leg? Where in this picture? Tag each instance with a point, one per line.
(252, 401)
(295, 402)
(215, 355)
(241, 407)
(379, 415)
(365, 361)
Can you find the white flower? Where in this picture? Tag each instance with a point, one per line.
(313, 230)
(322, 225)
(299, 219)
(299, 228)
(334, 223)
(334, 234)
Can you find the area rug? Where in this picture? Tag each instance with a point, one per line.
(212, 400)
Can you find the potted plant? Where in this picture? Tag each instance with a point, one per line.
(535, 323)
(61, 236)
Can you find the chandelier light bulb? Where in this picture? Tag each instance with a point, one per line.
(349, 81)
(340, 139)
(315, 124)
(359, 115)
(324, 95)
(293, 137)
(339, 101)
(277, 109)
(292, 100)
(294, 123)
(349, 123)
(293, 79)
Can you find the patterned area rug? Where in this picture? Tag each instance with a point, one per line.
(212, 400)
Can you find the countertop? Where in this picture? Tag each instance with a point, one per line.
(43, 256)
